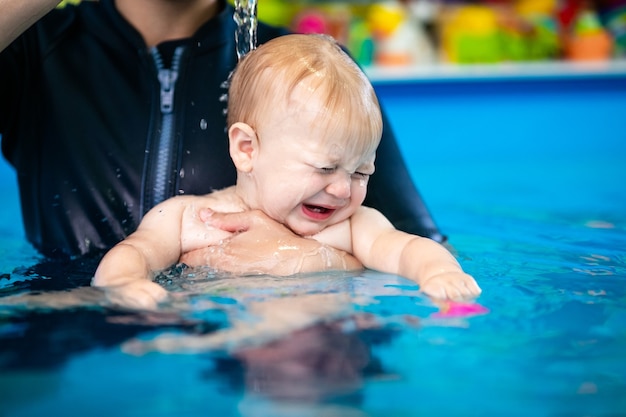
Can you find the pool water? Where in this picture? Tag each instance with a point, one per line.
(543, 232)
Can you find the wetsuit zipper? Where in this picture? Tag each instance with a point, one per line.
(161, 172)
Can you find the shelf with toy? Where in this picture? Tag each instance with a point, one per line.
(435, 39)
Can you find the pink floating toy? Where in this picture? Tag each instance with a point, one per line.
(460, 309)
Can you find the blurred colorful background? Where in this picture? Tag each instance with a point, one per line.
(417, 32)
(420, 32)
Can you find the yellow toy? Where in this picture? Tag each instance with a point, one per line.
(400, 39)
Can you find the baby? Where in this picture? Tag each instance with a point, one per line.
(303, 124)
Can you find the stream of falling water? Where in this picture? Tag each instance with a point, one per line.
(245, 35)
(246, 19)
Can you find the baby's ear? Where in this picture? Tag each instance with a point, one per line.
(243, 145)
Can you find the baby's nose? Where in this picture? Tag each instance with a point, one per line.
(340, 186)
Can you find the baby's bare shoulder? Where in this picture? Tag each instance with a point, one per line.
(195, 233)
(225, 200)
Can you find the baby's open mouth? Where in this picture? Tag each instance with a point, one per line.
(317, 209)
(317, 212)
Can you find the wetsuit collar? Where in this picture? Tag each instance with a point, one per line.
(212, 33)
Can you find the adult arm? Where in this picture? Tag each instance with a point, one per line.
(261, 245)
(382, 247)
(166, 235)
(18, 15)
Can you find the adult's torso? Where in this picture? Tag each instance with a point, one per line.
(85, 124)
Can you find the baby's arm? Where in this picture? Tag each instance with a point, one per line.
(380, 246)
(126, 270)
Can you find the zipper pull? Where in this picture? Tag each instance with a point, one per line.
(167, 79)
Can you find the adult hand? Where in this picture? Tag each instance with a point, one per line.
(261, 245)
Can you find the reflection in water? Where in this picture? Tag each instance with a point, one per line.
(321, 364)
(302, 340)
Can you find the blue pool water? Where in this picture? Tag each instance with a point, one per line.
(536, 212)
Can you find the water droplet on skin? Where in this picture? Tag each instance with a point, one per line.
(203, 124)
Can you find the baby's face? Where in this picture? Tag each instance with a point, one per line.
(303, 177)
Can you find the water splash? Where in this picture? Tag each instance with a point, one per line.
(246, 19)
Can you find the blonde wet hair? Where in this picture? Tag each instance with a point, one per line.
(269, 74)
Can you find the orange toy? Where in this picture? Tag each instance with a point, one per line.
(589, 41)
(590, 47)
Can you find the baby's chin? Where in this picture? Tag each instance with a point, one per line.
(305, 230)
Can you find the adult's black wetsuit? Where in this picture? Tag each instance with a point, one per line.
(100, 128)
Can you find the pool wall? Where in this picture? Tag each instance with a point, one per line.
(503, 137)
(447, 120)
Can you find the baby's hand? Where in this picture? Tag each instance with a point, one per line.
(137, 295)
(453, 285)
